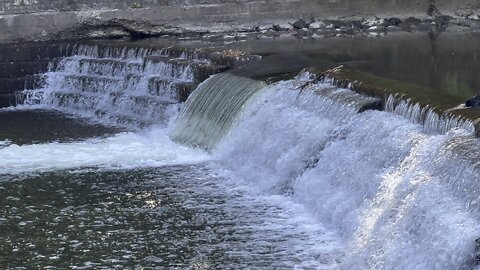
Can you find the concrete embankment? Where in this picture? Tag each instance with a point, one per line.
(37, 19)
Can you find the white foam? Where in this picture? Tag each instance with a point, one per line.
(126, 150)
(5, 143)
(375, 179)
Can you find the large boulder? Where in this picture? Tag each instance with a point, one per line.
(473, 101)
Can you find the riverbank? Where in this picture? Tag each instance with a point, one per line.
(46, 20)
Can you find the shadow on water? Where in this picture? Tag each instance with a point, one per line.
(44, 126)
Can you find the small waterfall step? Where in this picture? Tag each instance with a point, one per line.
(177, 67)
(434, 115)
(172, 90)
(143, 109)
(93, 84)
(100, 67)
(350, 98)
(309, 81)
(143, 84)
(116, 99)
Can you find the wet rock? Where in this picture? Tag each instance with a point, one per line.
(337, 23)
(457, 28)
(463, 12)
(316, 25)
(357, 25)
(432, 10)
(304, 33)
(443, 20)
(412, 21)
(269, 34)
(264, 27)
(473, 101)
(392, 22)
(278, 28)
(410, 24)
(7, 100)
(373, 21)
(393, 28)
(473, 17)
(300, 24)
(376, 104)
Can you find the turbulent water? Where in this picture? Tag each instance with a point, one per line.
(129, 87)
(297, 180)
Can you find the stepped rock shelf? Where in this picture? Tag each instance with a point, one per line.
(99, 78)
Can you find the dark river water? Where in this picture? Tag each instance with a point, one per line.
(169, 217)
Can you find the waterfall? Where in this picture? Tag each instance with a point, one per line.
(210, 111)
(394, 189)
(432, 121)
(397, 196)
(428, 116)
(118, 85)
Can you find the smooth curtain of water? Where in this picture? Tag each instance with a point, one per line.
(210, 111)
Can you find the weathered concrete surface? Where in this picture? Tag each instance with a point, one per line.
(34, 19)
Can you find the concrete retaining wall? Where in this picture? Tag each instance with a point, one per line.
(31, 19)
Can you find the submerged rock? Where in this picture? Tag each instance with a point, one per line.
(473, 101)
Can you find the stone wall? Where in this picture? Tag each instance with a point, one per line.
(32, 19)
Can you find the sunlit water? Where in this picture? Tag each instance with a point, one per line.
(298, 182)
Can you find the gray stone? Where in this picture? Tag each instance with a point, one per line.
(300, 24)
(393, 28)
(392, 22)
(316, 25)
(473, 101)
(473, 17)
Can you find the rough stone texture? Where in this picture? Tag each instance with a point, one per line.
(473, 101)
(32, 19)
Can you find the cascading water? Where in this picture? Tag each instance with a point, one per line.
(431, 120)
(312, 178)
(118, 85)
(398, 198)
(212, 108)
